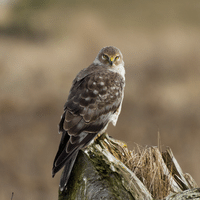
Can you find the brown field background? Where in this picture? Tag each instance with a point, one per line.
(43, 45)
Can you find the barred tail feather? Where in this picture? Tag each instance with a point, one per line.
(67, 171)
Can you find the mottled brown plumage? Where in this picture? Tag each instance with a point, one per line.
(94, 100)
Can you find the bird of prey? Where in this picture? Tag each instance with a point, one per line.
(94, 100)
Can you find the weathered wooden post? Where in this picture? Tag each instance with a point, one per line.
(108, 170)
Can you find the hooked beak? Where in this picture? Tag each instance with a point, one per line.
(111, 61)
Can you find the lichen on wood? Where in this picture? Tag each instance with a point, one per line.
(106, 169)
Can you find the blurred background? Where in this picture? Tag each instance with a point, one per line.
(44, 44)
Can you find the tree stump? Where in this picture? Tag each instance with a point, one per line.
(106, 169)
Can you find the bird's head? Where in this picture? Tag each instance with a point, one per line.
(109, 56)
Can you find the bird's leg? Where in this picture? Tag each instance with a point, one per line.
(97, 136)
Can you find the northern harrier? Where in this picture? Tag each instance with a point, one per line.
(95, 99)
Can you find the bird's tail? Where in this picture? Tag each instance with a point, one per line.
(67, 170)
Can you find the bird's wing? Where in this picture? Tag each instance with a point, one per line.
(93, 99)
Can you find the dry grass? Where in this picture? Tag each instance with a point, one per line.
(160, 43)
(147, 164)
(157, 170)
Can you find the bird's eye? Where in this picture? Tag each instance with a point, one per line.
(105, 57)
(117, 58)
